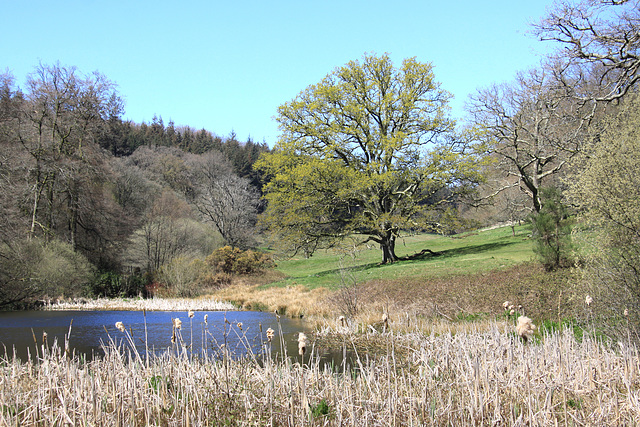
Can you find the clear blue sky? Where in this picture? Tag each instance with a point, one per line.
(227, 65)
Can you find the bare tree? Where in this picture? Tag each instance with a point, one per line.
(604, 35)
(229, 202)
(169, 231)
(59, 129)
(532, 126)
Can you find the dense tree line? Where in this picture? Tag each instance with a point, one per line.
(86, 195)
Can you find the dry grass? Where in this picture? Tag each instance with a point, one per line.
(293, 301)
(543, 295)
(486, 377)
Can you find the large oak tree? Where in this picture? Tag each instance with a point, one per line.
(368, 150)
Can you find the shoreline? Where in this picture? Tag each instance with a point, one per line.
(140, 304)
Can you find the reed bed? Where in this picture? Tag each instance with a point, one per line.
(484, 377)
(292, 301)
(139, 304)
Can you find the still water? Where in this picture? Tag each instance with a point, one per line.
(22, 332)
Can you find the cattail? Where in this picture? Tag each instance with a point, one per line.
(512, 312)
(239, 325)
(302, 343)
(588, 300)
(525, 328)
(120, 326)
(506, 304)
(206, 318)
(341, 319)
(177, 323)
(270, 334)
(626, 312)
(191, 314)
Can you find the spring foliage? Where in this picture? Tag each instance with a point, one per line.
(607, 191)
(364, 151)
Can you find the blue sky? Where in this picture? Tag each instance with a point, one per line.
(227, 66)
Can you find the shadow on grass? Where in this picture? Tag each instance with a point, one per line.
(423, 256)
(465, 250)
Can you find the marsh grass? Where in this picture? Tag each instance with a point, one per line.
(480, 376)
(292, 301)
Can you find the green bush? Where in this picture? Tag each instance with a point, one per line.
(35, 269)
(182, 276)
(109, 284)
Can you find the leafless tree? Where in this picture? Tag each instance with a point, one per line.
(58, 129)
(602, 36)
(532, 126)
(229, 202)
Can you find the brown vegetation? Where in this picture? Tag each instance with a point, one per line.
(542, 295)
(481, 378)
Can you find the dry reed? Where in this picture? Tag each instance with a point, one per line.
(139, 304)
(482, 377)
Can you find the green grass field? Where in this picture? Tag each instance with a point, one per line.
(463, 254)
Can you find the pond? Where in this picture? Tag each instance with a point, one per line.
(238, 332)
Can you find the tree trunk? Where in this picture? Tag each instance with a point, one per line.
(388, 246)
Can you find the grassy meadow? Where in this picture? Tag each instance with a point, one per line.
(467, 253)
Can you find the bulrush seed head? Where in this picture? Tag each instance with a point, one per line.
(506, 304)
(302, 343)
(341, 319)
(270, 334)
(588, 300)
(177, 323)
(239, 325)
(120, 326)
(206, 318)
(191, 314)
(525, 328)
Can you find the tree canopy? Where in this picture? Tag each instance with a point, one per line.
(369, 150)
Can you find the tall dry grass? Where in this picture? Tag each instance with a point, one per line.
(484, 377)
(293, 301)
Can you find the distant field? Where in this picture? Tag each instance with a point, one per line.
(467, 253)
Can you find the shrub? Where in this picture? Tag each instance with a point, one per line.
(110, 285)
(181, 275)
(217, 280)
(231, 260)
(35, 269)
